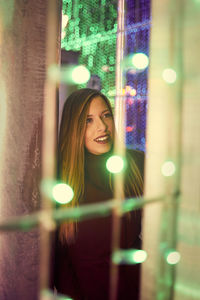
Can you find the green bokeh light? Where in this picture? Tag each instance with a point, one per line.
(70, 74)
(172, 257)
(140, 61)
(115, 164)
(169, 75)
(168, 168)
(62, 193)
(57, 191)
(80, 74)
(131, 256)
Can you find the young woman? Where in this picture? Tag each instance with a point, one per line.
(83, 249)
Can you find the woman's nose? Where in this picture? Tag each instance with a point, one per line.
(101, 125)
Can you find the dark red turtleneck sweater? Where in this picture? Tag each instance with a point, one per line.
(82, 268)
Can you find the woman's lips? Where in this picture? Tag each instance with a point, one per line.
(103, 139)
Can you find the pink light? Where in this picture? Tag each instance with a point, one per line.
(130, 101)
(129, 128)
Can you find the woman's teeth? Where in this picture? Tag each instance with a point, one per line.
(101, 139)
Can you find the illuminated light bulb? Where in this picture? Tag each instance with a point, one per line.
(133, 92)
(168, 168)
(169, 75)
(131, 256)
(80, 74)
(128, 88)
(130, 101)
(123, 92)
(62, 193)
(115, 164)
(129, 128)
(140, 61)
(173, 257)
(139, 256)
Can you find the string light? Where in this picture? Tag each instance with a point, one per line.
(70, 74)
(62, 193)
(115, 164)
(169, 75)
(140, 61)
(168, 168)
(80, 74)
(172, 257)
(131, 256)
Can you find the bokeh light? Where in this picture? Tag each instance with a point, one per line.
(169, 75)
(130, 256)
(140, 61)
(173, 257)
(54, 73)
(168, 168)
(62, 193)
(58, 191)
(139, 256)
(70, 74)
(115, 164)
(49, 295)
(80, 74)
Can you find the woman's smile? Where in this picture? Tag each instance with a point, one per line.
(100, 126)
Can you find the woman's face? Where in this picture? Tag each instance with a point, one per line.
(100, 126)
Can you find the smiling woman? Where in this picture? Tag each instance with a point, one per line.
(100, 127)
(83, 249)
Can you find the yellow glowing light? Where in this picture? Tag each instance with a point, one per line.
(140, 61)
(115, 164)
(62, 193)
(168, 168)
(80, 74)
(130, 256)
(128, 88)
(133, 92)
(173, 257)
(169, 75)
(123, 92)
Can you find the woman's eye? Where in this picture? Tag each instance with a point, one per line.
(89, 120)
(107, 115)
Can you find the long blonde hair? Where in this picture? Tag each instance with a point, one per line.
(71, 148)
(71, 153)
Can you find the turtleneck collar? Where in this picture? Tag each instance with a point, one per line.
(95, 169)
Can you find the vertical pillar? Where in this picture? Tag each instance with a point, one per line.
(164, 131)
(188, 242)
(22, 77)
